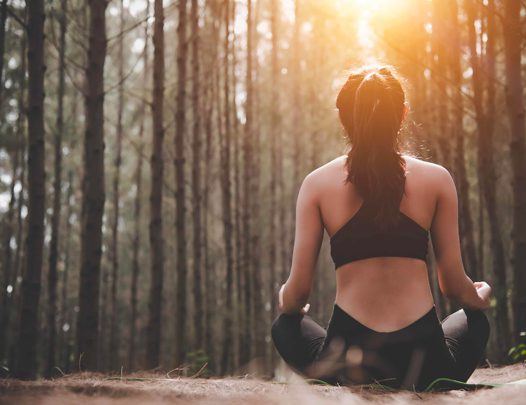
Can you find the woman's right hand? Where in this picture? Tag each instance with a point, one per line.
(484, 292)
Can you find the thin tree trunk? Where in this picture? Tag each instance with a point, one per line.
(3, 19)
(26, 366)
(180, 195)
(466, 221)
(138, 208)
(247, 269)
(209, 287)
(196, 177)
(439, 44)
(278, 267)
(212, 95)
(153, 340)
(57, 185)
(514, 101)
(238, 252)
(274, 163)
(226, 189)
(296, 119)
(65, 312)
(258, 329)
(439, 72)
(114, 351)
(93, 194)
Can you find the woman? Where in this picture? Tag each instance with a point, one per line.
(378, 207)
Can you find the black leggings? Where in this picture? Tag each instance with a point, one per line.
(349, 353)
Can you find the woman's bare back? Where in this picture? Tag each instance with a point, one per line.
(383, 293)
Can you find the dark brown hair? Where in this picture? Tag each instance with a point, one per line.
(371, 109)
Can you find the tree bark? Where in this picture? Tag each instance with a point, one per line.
(226, 191)
(180, 194)
(236, 166)
(248, 283)
(258, 329)
(459, 160)
(274, 163)
(26, 362)
(65, 311)
(93, 193)
(57, 185)
(114, 331)
(196, 177)
(138, 207)
(3, 19)
(153, 339)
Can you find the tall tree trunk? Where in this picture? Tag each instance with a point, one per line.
(93, 194)
(196, 177)
(439, 44)
(210, 266)
(236, 166)
(138, 206)
(65, 312)
(487, 175)
(26, 365)
(277, 265)
(180, 194)
(296, 118)
(114, 350)
(226, 189)
(207, 263)
(57, 185)
(439, 73)
(153, 340)
(274, 163)
(258, 329)
(514, 101)
(3, 19)
(466, 221)
(247, 268)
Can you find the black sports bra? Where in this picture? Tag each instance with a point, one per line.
(359, 239)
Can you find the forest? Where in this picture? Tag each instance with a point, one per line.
(151, 153)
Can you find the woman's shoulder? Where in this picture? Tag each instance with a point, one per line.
(328, 169)
(423, 166)
(432, 177)
(326, 175)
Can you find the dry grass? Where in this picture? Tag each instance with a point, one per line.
(138, 389)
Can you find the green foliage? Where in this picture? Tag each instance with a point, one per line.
(518, 353)
(198, 363)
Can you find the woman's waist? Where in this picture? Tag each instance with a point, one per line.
(354, 330)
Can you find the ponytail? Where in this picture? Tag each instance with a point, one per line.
(371, 106)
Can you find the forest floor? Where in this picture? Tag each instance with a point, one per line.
(99, 389)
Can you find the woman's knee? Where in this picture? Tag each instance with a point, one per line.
(478, 324)
(281, 327)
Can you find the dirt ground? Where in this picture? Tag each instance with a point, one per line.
(157, 389)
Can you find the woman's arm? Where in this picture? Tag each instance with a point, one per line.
(452, 278)
(307, 242)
